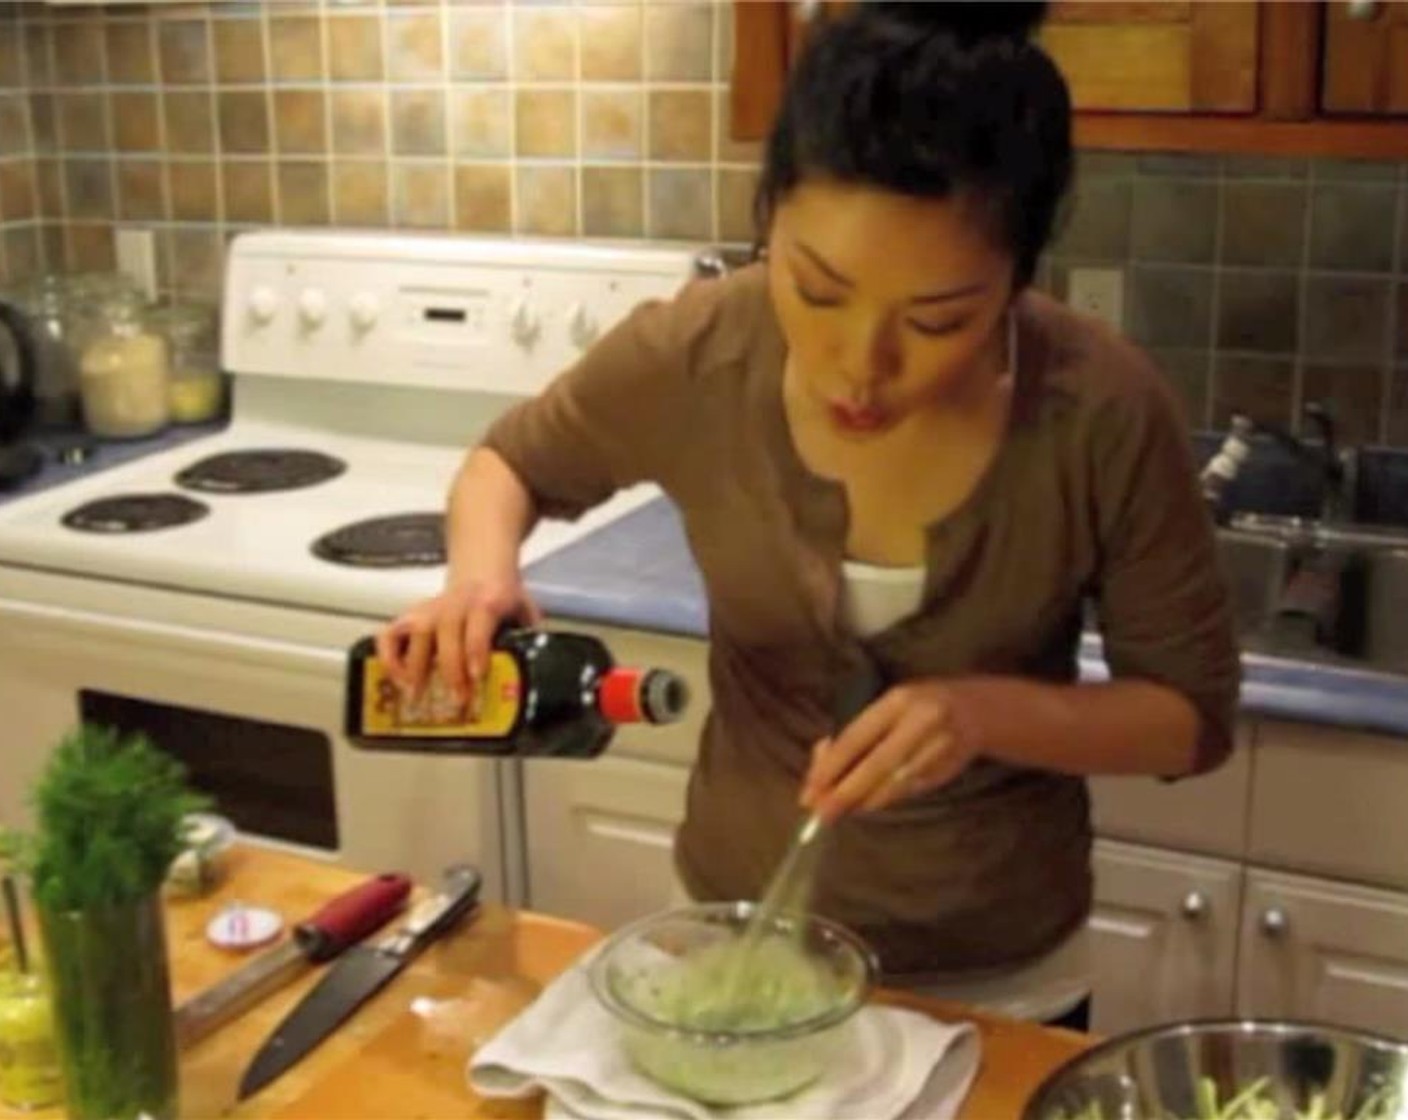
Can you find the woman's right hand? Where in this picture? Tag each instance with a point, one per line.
(453, 632)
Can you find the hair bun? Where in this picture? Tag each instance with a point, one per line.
(969, 20)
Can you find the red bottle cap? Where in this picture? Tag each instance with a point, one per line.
(620, 696)
(642, 696)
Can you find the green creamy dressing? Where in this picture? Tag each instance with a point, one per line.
(740, 985)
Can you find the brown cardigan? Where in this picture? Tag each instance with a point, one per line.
(1093, 495)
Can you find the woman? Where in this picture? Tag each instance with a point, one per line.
(885, 447)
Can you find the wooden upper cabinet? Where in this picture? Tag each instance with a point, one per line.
(1156, 55)
(1366, 57)
(1280, 77)
(762, 34)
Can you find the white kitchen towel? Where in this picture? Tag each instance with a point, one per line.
(899, 1065)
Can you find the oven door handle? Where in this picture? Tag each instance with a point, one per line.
(170, 638)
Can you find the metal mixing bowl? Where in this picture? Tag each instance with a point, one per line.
(727, 1067)
(1155, 1074)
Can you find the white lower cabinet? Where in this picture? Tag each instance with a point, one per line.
(1164, 942)
(1184, 937)
(1330, 803)
(1325, 951)
(600, 837)
(1206, 814)
(600, 834)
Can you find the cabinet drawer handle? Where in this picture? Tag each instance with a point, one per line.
(1274, 922)
(1195, 906)
(1363, 10)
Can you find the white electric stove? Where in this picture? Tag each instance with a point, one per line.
(265, 546)
(207, 595)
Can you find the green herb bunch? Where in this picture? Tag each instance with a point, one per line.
(109, 821)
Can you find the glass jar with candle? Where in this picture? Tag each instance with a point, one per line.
(47, 301)
(124, 372)
(29, 1062)
(196, 390)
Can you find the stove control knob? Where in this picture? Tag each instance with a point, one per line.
(582, 329)
(524, 325)
(364, 310)
(263, 303)
(312, 307)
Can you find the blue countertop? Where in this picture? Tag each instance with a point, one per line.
(638, 574)
(102, 456)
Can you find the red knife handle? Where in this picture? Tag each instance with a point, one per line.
(351, 916)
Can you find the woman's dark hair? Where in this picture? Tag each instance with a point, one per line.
(933, 100)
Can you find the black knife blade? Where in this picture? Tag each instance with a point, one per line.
(359, 974)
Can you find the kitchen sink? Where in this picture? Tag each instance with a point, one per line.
(1304, 587)
(1387, 609)
(1311, 531)
(1257, 566)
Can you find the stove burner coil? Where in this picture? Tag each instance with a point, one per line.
(409, 540)
(135, 513)
(260, 471)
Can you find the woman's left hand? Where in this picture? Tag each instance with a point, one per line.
(915, 738)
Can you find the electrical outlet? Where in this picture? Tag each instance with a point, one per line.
(136, 256)
(1098, 292)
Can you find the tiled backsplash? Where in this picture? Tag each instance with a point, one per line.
(20, 207)
(1257, 283)
(566, 119)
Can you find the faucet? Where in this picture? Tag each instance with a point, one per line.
(710, 264)
(716, 262)
(1323, 597)
(1335, 500)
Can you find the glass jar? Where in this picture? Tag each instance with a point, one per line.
(196, 390)
(29, 1063)
(87, 296)
(101, 285)
(124, 373)
(48, 303)
(110, 981)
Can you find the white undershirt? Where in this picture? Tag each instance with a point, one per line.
(877, 598)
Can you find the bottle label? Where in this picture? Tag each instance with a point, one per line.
(436, 714)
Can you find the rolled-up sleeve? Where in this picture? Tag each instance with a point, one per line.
(610, 420)
(1165, 608)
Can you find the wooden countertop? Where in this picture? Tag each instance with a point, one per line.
(403, 1054)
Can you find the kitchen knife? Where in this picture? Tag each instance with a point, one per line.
(344, 921)
(362, 972)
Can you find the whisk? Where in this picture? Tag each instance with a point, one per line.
(790, 890)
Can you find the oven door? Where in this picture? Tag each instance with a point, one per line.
(255, 716)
